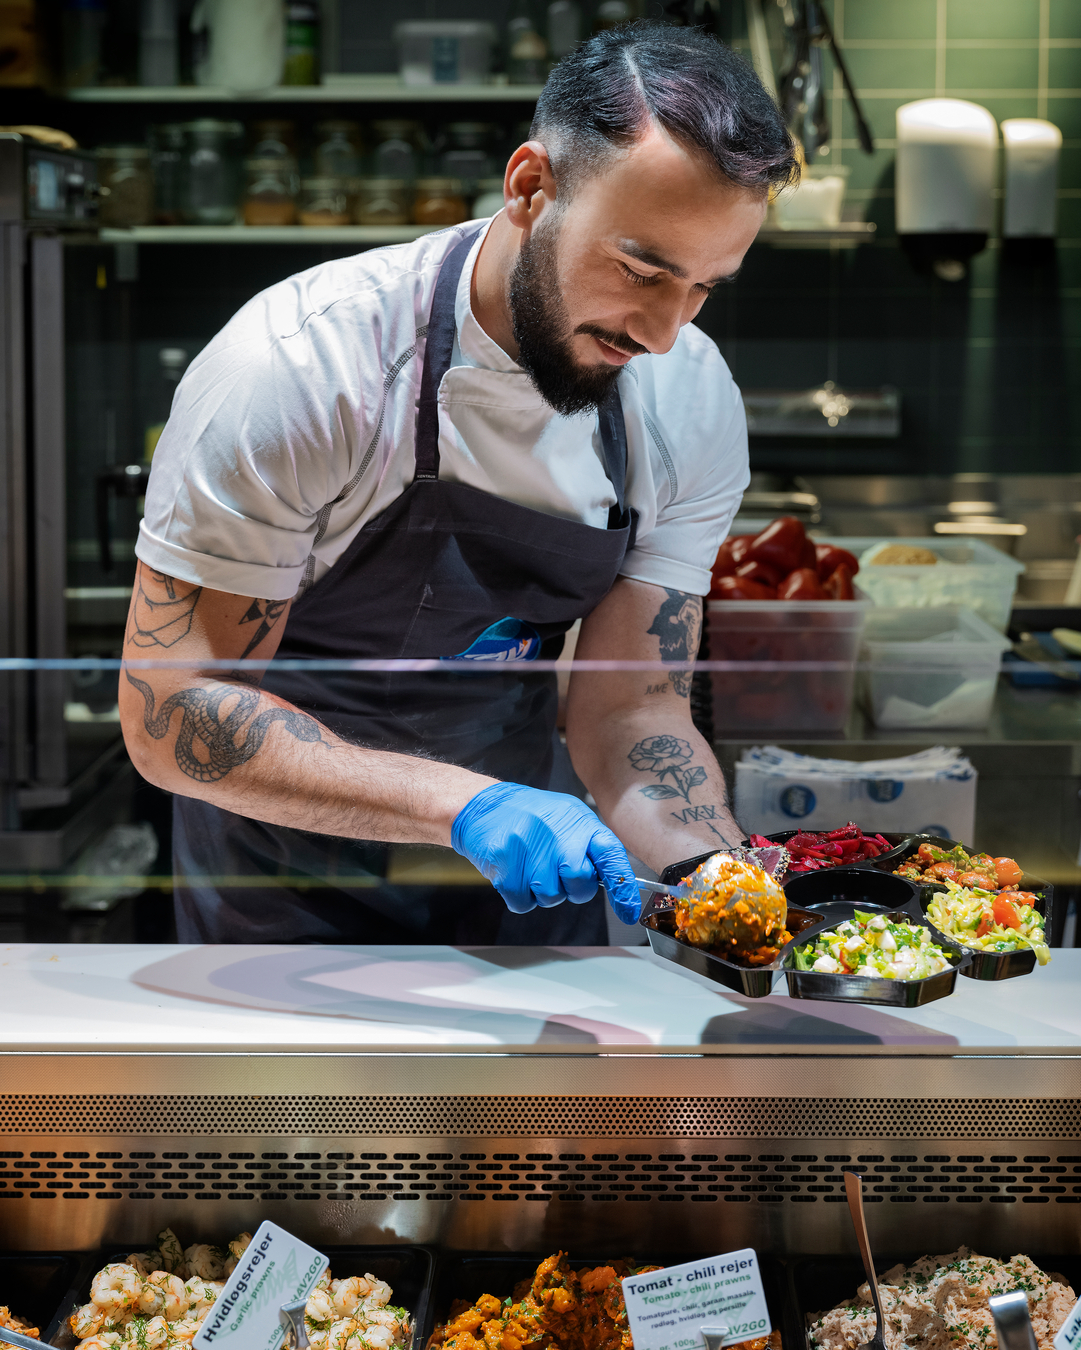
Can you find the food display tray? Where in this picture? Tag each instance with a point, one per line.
(34, 1284)
(410, 1272)
(467, 1275)
(818, 1283)
(836, 893)
(658, 920)
(985, 965)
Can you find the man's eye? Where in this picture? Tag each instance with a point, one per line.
(636, 277)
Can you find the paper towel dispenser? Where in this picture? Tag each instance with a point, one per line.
(945, 179)
(1031, 147)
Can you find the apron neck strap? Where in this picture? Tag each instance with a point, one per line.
(438, 349)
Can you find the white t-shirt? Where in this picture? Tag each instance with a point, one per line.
(295, 426)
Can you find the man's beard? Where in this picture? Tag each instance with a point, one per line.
(543, 332)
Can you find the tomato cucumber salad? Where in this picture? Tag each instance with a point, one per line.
(988, 922)
(872, 944)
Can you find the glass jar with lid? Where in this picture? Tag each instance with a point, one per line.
(398, 143)
(439, 201)
(324, 201)
(210, 172)
(126, 186)
(337, 150)
(273, 138)
(383, 201)
(166, 155)
(270, 190)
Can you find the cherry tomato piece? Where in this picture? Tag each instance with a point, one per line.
(780, 544)
(1007, 872)
(982, 880)
(838, 585)
(986, 924)
(942, 872)
(1005, 912)
(741, 588)
(828, 557)
(802, 584)
(760, 572)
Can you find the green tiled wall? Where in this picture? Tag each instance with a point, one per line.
(989, 368)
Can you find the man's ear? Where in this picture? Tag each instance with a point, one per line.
(528, 185)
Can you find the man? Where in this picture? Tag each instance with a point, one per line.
(455, 449)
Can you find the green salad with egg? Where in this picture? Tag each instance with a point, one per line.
(872, 944)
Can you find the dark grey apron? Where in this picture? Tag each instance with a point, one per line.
(446, 571)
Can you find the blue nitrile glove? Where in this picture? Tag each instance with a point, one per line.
(541, 848)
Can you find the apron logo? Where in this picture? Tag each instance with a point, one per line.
(508, 640)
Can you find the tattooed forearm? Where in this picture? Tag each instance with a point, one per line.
(678, 626)
(163, 618)
(266, 614)
(668, 757)
(211, 743)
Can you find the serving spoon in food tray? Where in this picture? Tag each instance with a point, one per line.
(701, 881)
(854, 1195)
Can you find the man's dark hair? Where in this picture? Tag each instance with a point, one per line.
(602, 97)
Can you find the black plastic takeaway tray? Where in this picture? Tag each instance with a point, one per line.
(836, 893)
(818, 1283)
(659, 922)
(985, 965)
(33, 1284)
(817, 901)
(467, 1275)
(409, 1271)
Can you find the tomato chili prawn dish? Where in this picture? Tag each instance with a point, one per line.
(931, 862)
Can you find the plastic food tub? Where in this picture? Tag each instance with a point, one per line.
(817, 640)
(985, 965)
(439, 51)
(836, 894)
(930, 667)
(410, 1272)
(969, 573)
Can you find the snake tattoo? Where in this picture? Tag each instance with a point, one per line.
(203, 725)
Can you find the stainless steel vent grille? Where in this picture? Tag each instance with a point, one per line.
(752, 1176)
(626, 1117)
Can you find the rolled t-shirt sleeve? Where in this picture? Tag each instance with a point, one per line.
(698, 418)
(258, 441)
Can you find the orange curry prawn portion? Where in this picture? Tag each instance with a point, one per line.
(558, 1309)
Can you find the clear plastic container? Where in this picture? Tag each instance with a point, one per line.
(442, 51)
(795, 663)
(969, 573)
(930, 668)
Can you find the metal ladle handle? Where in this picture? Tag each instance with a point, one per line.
(1013, 1324)
(854, 1194)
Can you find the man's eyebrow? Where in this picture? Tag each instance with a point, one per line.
(654, 259)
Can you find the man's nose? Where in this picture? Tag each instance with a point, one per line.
(656, 325)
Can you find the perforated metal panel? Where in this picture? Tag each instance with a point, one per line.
(514, 1116)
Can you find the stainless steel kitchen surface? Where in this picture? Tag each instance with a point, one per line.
(524, 1099)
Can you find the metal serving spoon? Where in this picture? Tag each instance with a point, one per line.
(701, 880)
(1013, 1323)
(854, 1194)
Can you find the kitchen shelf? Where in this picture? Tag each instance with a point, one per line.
(846, 235)
(259, 234)
(357, 89)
